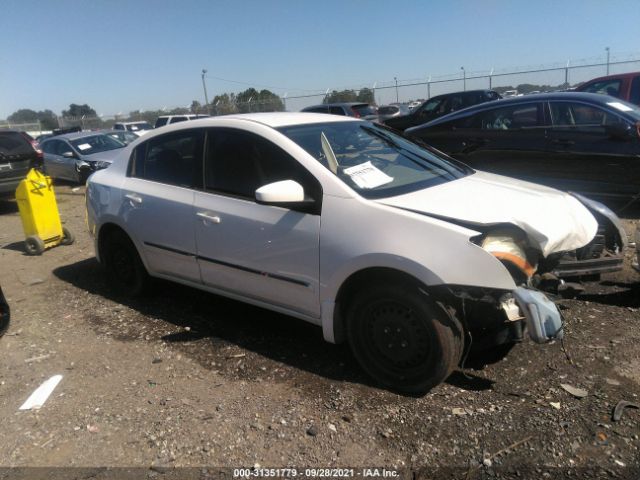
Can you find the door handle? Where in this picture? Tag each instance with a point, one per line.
(133, 198)
(563, 141)
(208, 218)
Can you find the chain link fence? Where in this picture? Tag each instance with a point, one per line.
(550, 77)
(555, 77)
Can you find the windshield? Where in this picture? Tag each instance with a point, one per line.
(96, 144)
(372, 160)
(134, 127)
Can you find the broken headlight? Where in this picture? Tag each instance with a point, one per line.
(511, 248)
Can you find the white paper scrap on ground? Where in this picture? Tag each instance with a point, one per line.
(41, 394)
(366, 175)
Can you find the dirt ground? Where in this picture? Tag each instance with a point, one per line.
(186, 378)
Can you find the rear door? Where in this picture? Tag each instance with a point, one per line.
(157, 201)
(263, 252)
(587, 155)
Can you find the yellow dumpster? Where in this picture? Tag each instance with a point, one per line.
(39, 214)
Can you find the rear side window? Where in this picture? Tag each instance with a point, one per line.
(316, 110)
(239, 162)
(173, 159)
(160, 122)
(13, 143)
(178, 119)
(512, 117)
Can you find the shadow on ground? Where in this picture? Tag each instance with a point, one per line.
(218, 323)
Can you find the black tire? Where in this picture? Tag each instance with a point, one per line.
(67, 237)
(402, 338)
(5, 314)
(125, 270)
(33, 245)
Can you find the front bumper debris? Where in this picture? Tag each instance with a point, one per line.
(543, 318)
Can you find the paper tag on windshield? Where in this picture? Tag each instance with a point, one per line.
(620, 106)
(366, 175)
(84, 146)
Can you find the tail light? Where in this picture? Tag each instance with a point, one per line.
(355, 112)
(36, 147)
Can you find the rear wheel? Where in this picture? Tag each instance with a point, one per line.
(402, 338)
(67, 237)
(125, 270)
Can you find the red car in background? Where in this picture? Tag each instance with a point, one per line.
(625, 86)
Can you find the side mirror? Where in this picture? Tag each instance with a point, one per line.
(619, 131)
(282, 192)
(69, 155)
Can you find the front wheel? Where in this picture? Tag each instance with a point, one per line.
(125, 270)
(402, 338)
(33, 245)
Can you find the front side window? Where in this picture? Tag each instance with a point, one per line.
(63, 147)
(95, 144)
(607, 87)
(239, 162)
(336, 110)
(372, 160)
(174, 159)
(512, 117)
(582, 116)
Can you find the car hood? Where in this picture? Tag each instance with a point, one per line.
(553, 221)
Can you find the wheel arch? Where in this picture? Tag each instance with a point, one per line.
(334, 326)
(106, 229)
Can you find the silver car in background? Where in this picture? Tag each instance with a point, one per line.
(386, 112)
(75, 156)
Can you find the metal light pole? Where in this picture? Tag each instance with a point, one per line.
(607, 49)
(464, 79)
(204, 86)
(396, 79)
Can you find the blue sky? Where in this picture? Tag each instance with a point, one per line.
(121, 55)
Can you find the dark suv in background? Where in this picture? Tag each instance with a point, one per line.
(441, 105)
(18, 154)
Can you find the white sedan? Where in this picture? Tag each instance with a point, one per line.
(405, 253)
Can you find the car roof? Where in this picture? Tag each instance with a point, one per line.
(76, 135)
(276, 119)
(337, 104)
(131, 123)
(594, 98)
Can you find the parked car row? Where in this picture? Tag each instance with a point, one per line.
(582, 142)
(19, 152)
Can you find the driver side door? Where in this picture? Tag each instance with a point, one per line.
(264, 252)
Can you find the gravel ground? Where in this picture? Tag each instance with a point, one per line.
(185, 378)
